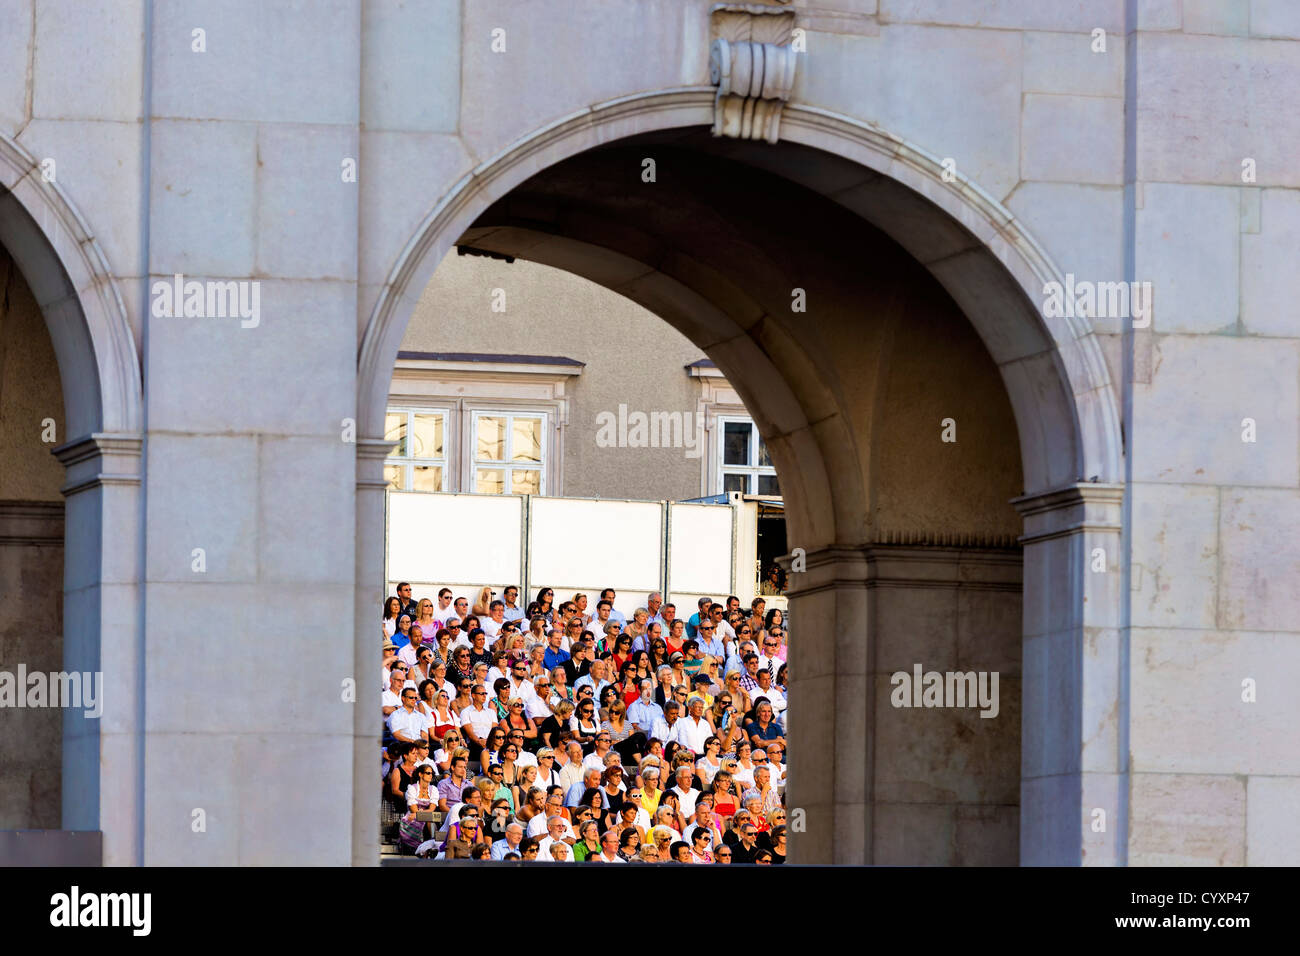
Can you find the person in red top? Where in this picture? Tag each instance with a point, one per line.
(676, 638)
(725, 799)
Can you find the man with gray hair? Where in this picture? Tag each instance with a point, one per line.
(653, 602)
(555, 833)
(514, 837)
(590, 781)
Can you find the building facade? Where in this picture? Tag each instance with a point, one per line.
(520, 410)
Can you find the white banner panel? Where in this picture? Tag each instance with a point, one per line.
(577, 544)
(458, 539)
(700, 551)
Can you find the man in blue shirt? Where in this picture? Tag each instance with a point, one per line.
(555, 655)
(694, 622)
(644, 711)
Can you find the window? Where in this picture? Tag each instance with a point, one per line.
(418, 461)
(509, 453)
(743, 462)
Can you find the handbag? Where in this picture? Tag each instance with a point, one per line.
(410, 834)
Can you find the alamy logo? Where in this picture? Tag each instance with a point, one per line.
(947, 689)
(208, 300)
(651, 430)
(57, 689)
(1098, 300)
(75, 908)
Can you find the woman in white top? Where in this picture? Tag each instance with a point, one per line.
(744, 772)
(708, 765)
(450, 742)
(392, 607)
(421, 795)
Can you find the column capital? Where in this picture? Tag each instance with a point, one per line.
(1071, 509)
(100, 458)
(371, 453)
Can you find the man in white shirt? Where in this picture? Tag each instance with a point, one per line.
(520, 685)
(608, 849)
(686, 794)
(769, 690)
(443, 610)
(557, 829)
(608, 595)
(477, 720)
(663, 729)
(409, 724)
(596, 758)
(392, 697)
(571, 769)
(604, 614)
(410, 653)
(692, 730)
(458, 636)
(541, 824)
(496, 617)
(704, 821)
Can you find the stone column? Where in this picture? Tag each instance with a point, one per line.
(371, 550)
(830, 752)
(103, 757)
(1073, 762)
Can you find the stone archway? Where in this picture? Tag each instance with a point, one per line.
(63, 265)
(1054, 376)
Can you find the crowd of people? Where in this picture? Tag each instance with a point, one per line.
(567, 732)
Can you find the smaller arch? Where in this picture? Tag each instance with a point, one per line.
(69, 275)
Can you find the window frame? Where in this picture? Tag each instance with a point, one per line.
(752, 471)
(509, 413)
(408, 462)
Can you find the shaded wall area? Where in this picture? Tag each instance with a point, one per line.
(31, 553)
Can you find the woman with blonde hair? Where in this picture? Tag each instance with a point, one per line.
(484, 602)
(428, 626)
(560, 688)
(527, 779)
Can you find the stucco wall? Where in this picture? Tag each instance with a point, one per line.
(632, 356)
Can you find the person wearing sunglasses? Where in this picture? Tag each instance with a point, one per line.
(584, 724)
(451, 742)
(463, 835)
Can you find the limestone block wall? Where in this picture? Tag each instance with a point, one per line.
(945, 781)
(1215, 584)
